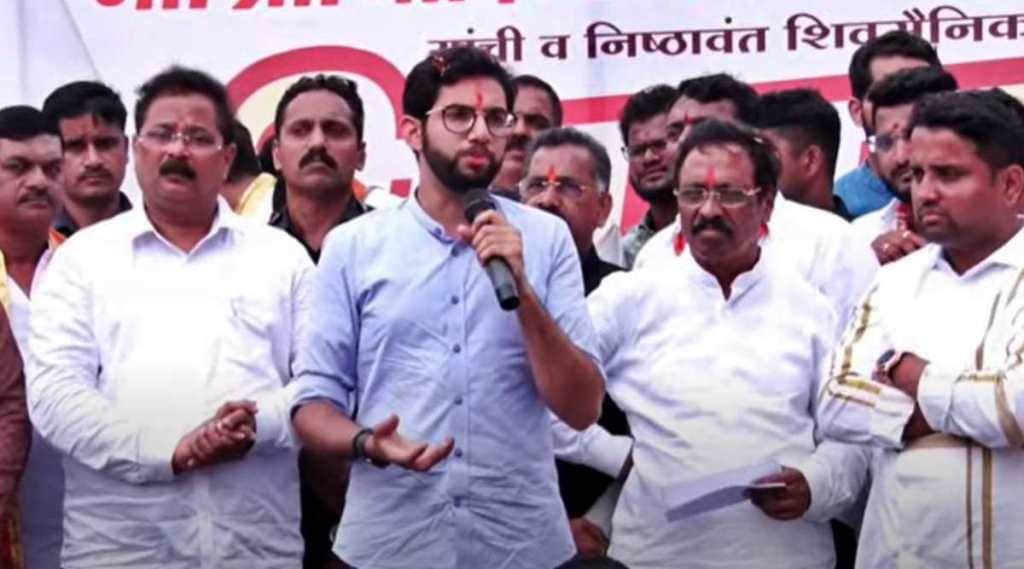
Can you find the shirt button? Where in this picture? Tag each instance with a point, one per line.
(458, 453)
(457, 348)
(455, 251)
(455, 299)
(458, 400)
(458, 502)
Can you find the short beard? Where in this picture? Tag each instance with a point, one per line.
(662, 195)
(447, 171)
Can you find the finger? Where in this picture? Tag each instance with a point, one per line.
(597, 535)
(905, 246)
(917, 239)
(386, 427)
(465, 232)
(433, 455)
(491, 217)
(772, 479)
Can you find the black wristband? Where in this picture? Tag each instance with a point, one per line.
(359, 448)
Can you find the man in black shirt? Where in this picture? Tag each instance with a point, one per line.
(567, 174)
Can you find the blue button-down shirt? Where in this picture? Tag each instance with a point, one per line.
(862, 191)
(408, 323)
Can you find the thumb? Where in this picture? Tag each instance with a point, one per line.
(465, 232)
(386, 427)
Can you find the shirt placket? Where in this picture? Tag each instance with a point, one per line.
(458, 386)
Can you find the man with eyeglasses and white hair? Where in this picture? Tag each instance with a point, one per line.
(409, 359)
(161, 349)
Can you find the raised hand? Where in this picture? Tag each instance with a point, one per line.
(389, 447)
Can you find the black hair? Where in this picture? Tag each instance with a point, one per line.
(177, 80)
(592, 563)
(340, 86)
(644, 105)
(908, 86)
(803, 117)
(245, 164)
(715, 132)
(447, 67)
(535, 82)
(1013, 104)
(722, 87)
(569, 136)
(22, 122)
(993, 128)
(80, 98)
(894, 43)
(266, 157)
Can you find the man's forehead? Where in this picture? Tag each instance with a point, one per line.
(653, 127)
(85, 124)
(43, 147)
(889, 118)
(567, 160)
(534, 100)
(884, 65)
(318, 104)
(471, 91)
(687, 108)
(941, 144)
(179, 106)
(729, 161)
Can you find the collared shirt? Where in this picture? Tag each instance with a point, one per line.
(408, 323)
(951, 499)
(635, 240)
(863, 191)
(281, 220)
(67, 226)
(133, 344)
(41, 494)
(712, 384)
(822, 247)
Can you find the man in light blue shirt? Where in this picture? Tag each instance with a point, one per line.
(408, 325)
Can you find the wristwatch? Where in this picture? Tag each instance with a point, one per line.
(886, 363)
(359, 448)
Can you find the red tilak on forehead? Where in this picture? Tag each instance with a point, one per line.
(710, 178)
(479, 100)
(552, 178)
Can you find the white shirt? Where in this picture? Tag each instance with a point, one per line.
(923, 493)
(134, 344)
(870, 225)
(708, 385)
(41, 491)
(821, 245)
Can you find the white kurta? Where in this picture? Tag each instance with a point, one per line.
(134, 343)
(708, 385)
(821, 246)
(870, 225)
(950, 500)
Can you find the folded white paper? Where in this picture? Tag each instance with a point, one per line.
(717, 490)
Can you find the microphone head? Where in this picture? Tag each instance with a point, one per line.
(478, 200)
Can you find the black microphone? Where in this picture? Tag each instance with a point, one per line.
(478, 201)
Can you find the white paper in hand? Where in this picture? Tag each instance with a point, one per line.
(717, 490)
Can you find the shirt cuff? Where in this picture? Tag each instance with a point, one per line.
(309, 387)
(607, 453)
(935, 396)
(273, 425)
(819, 482)
(889, 416)
(156, 451)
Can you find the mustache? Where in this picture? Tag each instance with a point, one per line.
(179, 167)
(716, 223)
(318, 155)
(37, 195)
(97, 171)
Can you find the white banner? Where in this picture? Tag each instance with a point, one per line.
(594, 52)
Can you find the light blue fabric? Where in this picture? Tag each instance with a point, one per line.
(862, 191)
(408, 323)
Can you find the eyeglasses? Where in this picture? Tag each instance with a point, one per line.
(460, 119)
(199, 141)
(728, 196)
(637, 151)
(884, 142)
(565, 187)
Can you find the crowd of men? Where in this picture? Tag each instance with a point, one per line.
(257, 367)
